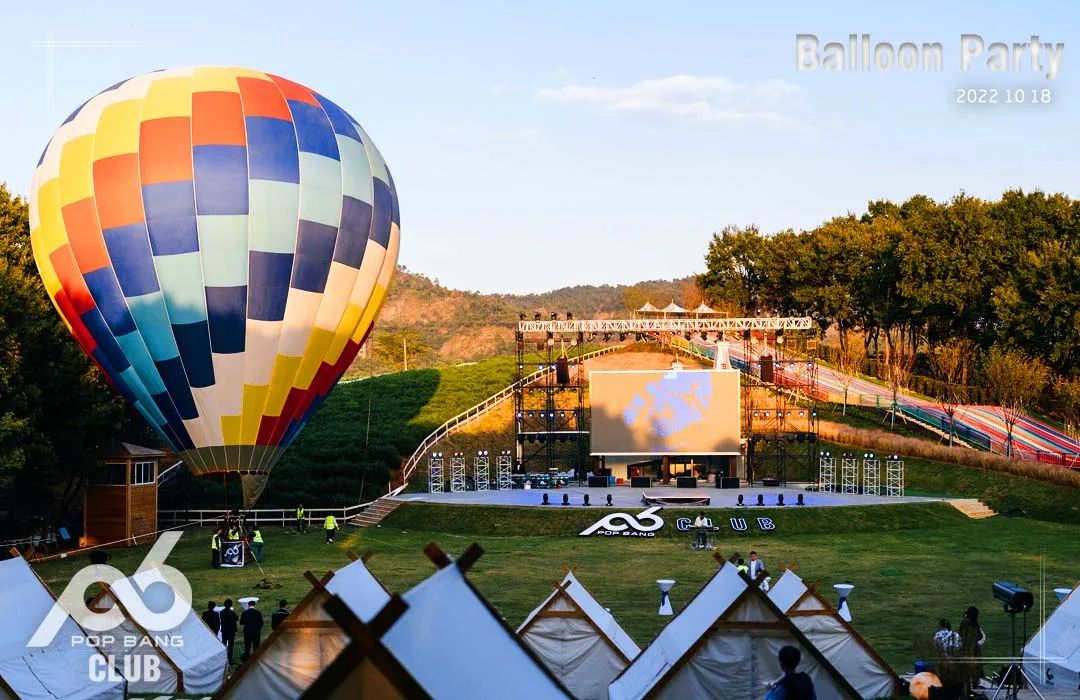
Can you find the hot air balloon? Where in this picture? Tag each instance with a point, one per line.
(219, 241)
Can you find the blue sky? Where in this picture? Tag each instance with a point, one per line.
(541, 144)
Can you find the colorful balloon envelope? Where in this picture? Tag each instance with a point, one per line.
(219, 241)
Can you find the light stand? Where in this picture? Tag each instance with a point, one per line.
(1012, 681)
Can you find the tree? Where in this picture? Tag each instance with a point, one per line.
(850, 363)
(1067, 392)
(950, 361)
(733, 268)
(1014, 381)
(900, 348)
(399, 347)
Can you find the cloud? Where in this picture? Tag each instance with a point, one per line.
(517, 135)
(699, 99)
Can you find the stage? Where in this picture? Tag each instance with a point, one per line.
(626, 497)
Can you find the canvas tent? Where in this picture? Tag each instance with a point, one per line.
(673, 308)
(190, 657)
(834, 637)
(704, 308)
(648, 309)
(59, 671)
(292, 656)
(453, 644)
(724, 643)
(1052, 657)
(578, 640)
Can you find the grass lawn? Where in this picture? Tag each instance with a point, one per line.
(911, 564)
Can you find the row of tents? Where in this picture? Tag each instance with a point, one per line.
(351, 637)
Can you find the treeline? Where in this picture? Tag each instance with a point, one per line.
(916, 279)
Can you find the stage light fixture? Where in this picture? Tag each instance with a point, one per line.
(566, 499)
(704, 337)
(609, 499)
(740, 501)
(756, 414)
(607, 337)
(586, 500)
(687, 335)
(761, 499)
(546, 500)
(569, 316)
(536, 316)
(622, 337)
(638, 337)
(521, 316)
(799, 500)
(780, 499)
(554, 316)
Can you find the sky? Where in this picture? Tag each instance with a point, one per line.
(543, 144)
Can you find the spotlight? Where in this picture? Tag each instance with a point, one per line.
(799, 500)
(546, 500)
(761, 499)
(779, 499)
(536, 316)
(566, 499)
(569, 316)
(607, 337)
(586, 500)
(704, 336)
(687, 335)
(638, 337)
(554, 316)
(609, 499)
(622, 337)
(740, 502)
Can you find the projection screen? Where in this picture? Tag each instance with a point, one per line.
(685, 412)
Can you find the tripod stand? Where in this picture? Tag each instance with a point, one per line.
(1015, 677)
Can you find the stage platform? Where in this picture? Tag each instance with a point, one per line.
(626, 497)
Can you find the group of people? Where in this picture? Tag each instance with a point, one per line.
(330, 526)
(962, 649)
(225, 622)
(235, 528)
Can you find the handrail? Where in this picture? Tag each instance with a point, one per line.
(476, 411)
(166, 475)
(283, 516)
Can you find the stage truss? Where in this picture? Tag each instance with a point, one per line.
(435, 472)
(457, 473)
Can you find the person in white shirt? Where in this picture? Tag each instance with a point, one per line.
(756, 566)
(701, 522)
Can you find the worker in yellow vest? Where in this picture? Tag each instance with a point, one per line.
(330, 525)
(257, 543)
(215, 549)
(300, 518)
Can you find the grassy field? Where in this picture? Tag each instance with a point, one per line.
(911, 564)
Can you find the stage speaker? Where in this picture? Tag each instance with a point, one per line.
(770, 482)
(727, 482)
(598, 481)
(562, 370)
(686, 482)
(767, 369)
(640, 482)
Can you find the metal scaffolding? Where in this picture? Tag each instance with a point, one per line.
(871, 475)
(827, 472)
(481, 470)
(435, 472)
(457, 472)
(667, 325)
(894, 476)
(503, 465)
(849, 474)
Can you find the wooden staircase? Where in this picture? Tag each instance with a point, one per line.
(374, 514)
(972, 507)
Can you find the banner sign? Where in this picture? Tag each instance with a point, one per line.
(644, 524)
(232, 554)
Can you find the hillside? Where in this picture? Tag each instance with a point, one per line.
(444, 326)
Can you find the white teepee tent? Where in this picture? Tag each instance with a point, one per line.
(834, 637)
(579, 641)
(190, 657)
(724, 644)
(308, 640)
(1052, 657)
(59, 671)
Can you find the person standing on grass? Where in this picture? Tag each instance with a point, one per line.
(279, 615)
(972, 639)
(252, 622)
(211, 618)
(215, 549)
(756, 566)
(300, 518)
(228, 628)
(257, 543)
(330, 525)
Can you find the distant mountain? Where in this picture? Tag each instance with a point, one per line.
(449, 325)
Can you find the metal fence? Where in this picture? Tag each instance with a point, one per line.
(262, 516)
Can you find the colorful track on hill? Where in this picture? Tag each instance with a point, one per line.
(979, 426)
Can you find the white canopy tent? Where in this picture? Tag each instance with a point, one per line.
(673, 308)
(724, 643)
(59, 671)
(1052, 657)
(704, 308)
(308, 640)
(648, 308)
(579, 641)
(834, 637)
(190, 657)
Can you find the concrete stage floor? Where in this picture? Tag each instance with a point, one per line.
(626, 497)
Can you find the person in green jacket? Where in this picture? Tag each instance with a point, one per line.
(300, 518)
(257, 543)
(330, 525)
(215, 549)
